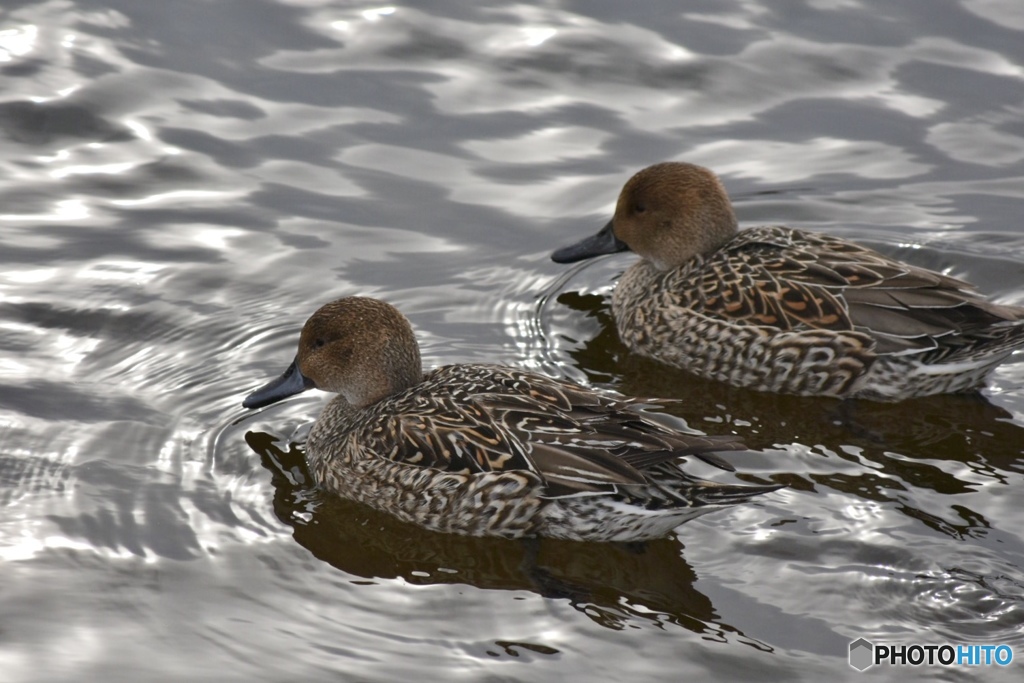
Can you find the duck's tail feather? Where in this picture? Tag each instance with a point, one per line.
(708, 493)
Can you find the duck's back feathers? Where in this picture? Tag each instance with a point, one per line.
(469, 419)
(791, 280)
(488, 450)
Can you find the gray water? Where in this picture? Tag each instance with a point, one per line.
(182, 183)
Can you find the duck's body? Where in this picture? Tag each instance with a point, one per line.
(490, 451)
(788, 311)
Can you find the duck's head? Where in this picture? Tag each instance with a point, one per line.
(667, 213)
(363, 349)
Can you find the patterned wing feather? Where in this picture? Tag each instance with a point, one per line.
(793, 280)
(578, 441)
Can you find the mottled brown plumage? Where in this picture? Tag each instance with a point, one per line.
(778, 309)
(487, 450)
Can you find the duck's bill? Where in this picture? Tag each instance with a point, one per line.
(604, 242)
(290, 383)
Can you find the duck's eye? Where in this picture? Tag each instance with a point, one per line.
(639, 208)
(319, 343)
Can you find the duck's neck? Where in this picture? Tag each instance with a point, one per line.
(702, 236)
(398, 369)
(716, 227)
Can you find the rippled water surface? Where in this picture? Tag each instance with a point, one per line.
(182, 183)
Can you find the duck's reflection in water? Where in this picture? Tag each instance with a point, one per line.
(610, 583)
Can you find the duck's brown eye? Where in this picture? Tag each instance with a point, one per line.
(318, 343)
(639, 208)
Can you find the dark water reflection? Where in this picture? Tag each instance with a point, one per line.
(182, 183)
(365, 543)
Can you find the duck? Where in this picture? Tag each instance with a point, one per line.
(488, 450)
(789, 311)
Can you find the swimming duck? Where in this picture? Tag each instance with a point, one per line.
(783, 310)
(485, 450)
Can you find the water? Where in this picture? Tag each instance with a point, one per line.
(183, 183)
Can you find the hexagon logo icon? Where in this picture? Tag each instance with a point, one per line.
(862, 654)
